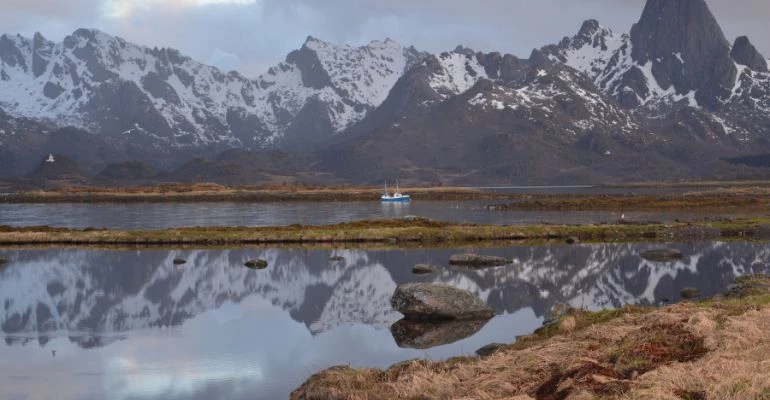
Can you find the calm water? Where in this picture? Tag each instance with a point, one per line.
(81, 324)
(163, 215)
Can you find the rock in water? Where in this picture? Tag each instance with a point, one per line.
(179, 261)
(425, 335)
(422, 301)
(662, 255)
(422, 269)
(256, 264)
(690, 293)
(3, 261)
(477, 261)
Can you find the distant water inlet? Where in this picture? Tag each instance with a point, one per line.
(169, 215)
(81, 324)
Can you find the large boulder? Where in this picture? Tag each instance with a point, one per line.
(422, 301)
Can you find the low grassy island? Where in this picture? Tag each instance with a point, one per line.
(733, 199)
(405, 231)
(209, 192)
(715, 349)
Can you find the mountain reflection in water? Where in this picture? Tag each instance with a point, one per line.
(131, 324)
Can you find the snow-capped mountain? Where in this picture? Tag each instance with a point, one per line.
(95, 296)
(672, 98)
(102, 83)
(676, 53)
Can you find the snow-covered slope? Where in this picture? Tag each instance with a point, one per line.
(104, 84)
(606, 57)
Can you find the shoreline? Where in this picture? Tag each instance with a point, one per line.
(407, 231)
(714, 348)
(722, 200)
(203, 193)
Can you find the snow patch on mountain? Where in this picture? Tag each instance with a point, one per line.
(606, 57)
(67, 83)
(457, 73)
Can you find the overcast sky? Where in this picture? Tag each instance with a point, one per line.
(251, 35)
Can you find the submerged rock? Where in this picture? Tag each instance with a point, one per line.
(3, 261)
(662, 255)
(256, 264)
(410, 334)
(337, 258)
(477, 261)
(690, 293)
(422, 269)
(422, 301)
(179, 261)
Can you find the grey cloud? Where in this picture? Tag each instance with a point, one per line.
(261, 34)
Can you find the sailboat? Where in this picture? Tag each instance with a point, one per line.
(396, 197)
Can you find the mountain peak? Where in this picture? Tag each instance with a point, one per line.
(89, 33)
(687, 49)
(589, 27)
(312, 39)
(744, 53)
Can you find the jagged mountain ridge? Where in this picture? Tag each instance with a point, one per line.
(104, 84)
(667, 100)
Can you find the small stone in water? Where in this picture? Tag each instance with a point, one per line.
(256, 264)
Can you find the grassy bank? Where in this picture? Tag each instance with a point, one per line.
(731, 199)
(218, 193)
(414, 230)
(715, 349)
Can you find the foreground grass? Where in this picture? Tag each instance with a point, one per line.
(412, 230)
(711, 350)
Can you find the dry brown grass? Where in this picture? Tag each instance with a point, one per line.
(742, 199)
(415, 231)
(686, 351)
(210, 192)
